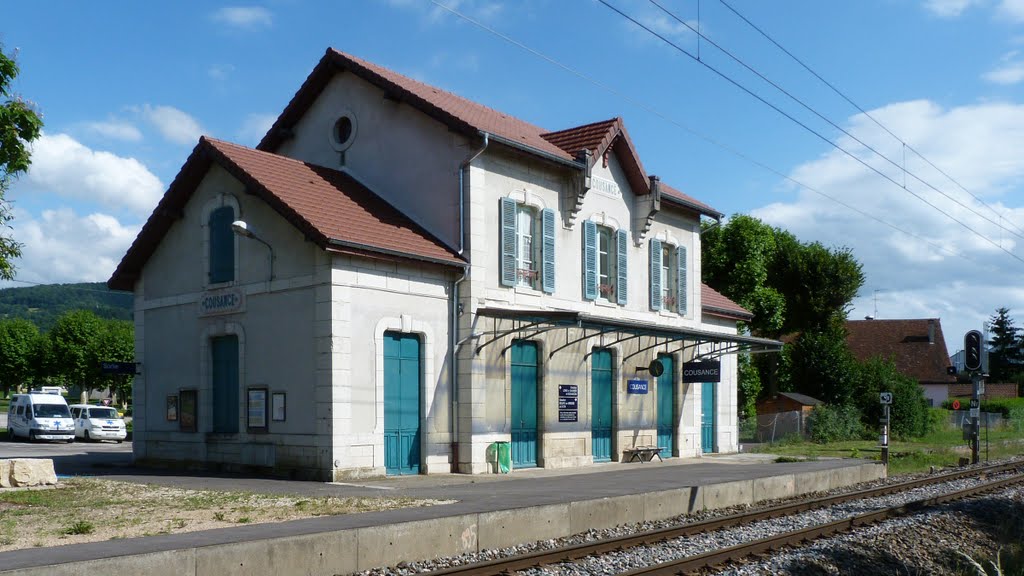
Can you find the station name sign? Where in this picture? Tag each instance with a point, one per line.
(707, 371)
(636, 386)
(222, 302)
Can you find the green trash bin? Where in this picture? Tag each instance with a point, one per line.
(502, 452)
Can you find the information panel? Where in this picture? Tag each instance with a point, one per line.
(568, 403)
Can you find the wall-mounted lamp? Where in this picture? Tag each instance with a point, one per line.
(240, 228)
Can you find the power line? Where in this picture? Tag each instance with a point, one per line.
(861, 110)
(809, 129)
(645, 107)
(810, 109)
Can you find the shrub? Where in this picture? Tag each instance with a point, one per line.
(908, 415)
(833, 423)
(79, 527)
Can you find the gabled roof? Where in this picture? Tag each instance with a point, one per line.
(676, 197)
(456, 112)
(470, 118)
(714, 303)
(906, 343)
(329, 207)
(598, 138)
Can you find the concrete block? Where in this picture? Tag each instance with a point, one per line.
(808, 482)
(505, 528)
(411, 541)
(774, 487)
(728, 494)
(32, 472)
(605, 512)
(323, 554)
(671, 503)
(169, 563)
(5, 474)
(842, 477)
(872, 471)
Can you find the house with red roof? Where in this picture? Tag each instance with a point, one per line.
(398, 280)
(916, 346)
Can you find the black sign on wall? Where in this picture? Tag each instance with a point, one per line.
(568, 403)
(706, 371)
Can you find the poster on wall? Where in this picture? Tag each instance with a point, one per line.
(257, 409)
(277, 406)
(172, 408)
(187, 410)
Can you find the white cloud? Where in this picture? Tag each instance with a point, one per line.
(220, 71)
(978, 145)
(255, 127)
(1009, 71)
(64, 167)
(245, 17)
(1013, 9)
(948, 8)
(173, 124)
(116, 130)
(61, 246)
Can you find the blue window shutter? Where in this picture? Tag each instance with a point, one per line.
(589, 260)
(548, 250)
(508, 242)
(656, 274)
(222, 245)
(622, 241)
(681, 286)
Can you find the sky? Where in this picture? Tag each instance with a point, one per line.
(894, 128)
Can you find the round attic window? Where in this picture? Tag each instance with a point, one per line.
(343, 132)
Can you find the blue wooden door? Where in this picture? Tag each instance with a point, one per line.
(666, 405)
(401, 403)
(601, 405)
(524, 405)
(224, 360)
(707, 417)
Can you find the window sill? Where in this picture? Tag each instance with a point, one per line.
(219, 285)
(528, 291)
(606, 303)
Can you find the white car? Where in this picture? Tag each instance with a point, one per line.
(39, 416)
(98, 423)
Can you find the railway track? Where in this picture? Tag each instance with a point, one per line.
(575, 552)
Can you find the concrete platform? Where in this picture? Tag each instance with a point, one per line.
(490, 512)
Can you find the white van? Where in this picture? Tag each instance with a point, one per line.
(40, 417)
(98, 423)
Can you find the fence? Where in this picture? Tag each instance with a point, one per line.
(772, 427)
(957, 418)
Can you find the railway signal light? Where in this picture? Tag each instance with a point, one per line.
(972, 350)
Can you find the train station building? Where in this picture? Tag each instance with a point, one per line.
(398, 280)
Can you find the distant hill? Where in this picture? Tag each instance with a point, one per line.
(44, 304)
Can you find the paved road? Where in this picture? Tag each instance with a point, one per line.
(78, 458)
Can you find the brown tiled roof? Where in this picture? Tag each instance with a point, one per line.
(714, 303)
(675, 196)
(906, 343)
(330, 207)
(470, 118)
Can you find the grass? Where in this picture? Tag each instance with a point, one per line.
(940, 448)
(79, 527)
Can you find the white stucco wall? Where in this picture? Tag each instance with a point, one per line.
(403, 155)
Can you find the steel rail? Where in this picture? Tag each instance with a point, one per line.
(576, 551)
(796, 537)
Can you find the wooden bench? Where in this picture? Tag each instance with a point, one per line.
(643, 453)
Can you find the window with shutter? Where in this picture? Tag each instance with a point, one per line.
(681, 281)
(222, 245)
(590, 283)
(548, 250)
(655, 257)
(508, 242)
(622, 278)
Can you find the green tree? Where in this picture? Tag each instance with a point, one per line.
(749, 386)
(908, 415)
(73, 344)
(17, 342)
(1004, 352)
(820, 365)
(818, 283)
(19, 126)
(116, 343)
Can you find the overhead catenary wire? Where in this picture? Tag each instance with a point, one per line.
(700, 135)
(809, 129)
(861, 109)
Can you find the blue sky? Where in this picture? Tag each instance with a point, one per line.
(127, 88)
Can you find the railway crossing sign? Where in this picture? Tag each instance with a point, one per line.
(885, 398)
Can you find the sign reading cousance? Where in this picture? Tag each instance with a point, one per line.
(707, 371)
(222, 302)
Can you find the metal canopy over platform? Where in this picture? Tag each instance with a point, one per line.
(526, 323)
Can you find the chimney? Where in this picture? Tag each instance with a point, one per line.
(931, 331)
